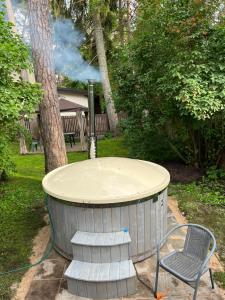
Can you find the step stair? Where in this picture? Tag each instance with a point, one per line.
(101, 280)
(101, 247)
(101, 267)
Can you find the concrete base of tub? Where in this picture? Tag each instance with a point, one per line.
(145, 219)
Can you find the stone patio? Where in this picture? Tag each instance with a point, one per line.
(48, 282)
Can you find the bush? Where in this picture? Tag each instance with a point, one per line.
(17, 97)
(170, 82)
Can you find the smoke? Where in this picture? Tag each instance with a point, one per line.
(68, 60)
(67, 41)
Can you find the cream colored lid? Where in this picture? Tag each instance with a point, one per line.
(106, 180)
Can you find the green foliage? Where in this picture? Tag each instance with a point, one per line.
(214, 173)
(6, 163)
(170, 81)
(220, 277)
(204, 192)
(17, 97)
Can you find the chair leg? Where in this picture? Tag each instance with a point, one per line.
(211, 278)
(156, 279)
(196, 290)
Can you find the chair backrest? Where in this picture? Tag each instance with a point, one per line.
(197, 242)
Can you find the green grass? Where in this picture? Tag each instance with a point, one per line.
(204, 203)
(22, 207)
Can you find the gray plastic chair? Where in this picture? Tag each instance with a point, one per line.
(190, 263)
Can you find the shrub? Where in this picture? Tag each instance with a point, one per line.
(170, 82)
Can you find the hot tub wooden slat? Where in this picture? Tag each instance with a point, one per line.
(116, 219)
(115, 254)
(141, 228)
(124, 217)
(146, 222)
(105, 254)
(107, 219)
(98, 221)
(133, 227)
(89, 218)
(92, 289)
(147, 237)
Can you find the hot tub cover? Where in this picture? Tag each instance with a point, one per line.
(106, 180)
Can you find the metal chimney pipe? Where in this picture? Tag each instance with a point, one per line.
(92, 147)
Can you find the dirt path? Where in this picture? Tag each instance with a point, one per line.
(39, 245)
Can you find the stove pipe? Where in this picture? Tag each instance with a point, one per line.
(92, 139)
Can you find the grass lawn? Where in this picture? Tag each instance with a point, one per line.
(22, 208)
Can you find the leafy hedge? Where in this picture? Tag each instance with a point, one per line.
(17, 97)
(170, 81)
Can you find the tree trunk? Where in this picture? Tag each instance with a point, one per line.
(128, 20)
(50, 119)
(110, 107)
(121, 22)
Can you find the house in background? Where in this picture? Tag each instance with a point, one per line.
(69, 96)
(73, 106)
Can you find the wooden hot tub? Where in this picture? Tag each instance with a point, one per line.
(109, 195)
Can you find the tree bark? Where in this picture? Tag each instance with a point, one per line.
(121, 22)
(110, 107)
(128, 20)
(50, 119)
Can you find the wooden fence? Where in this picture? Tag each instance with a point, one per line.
(71, 125)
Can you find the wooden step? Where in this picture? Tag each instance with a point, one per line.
(101, 247)
(101, 238)
(101, 281)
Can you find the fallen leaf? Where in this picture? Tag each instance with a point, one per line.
(160, 296)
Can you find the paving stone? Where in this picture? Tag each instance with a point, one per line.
(43, 290)
(50, 269)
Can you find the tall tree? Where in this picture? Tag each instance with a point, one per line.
(82, 12)
(100, 46)
(50, 120)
